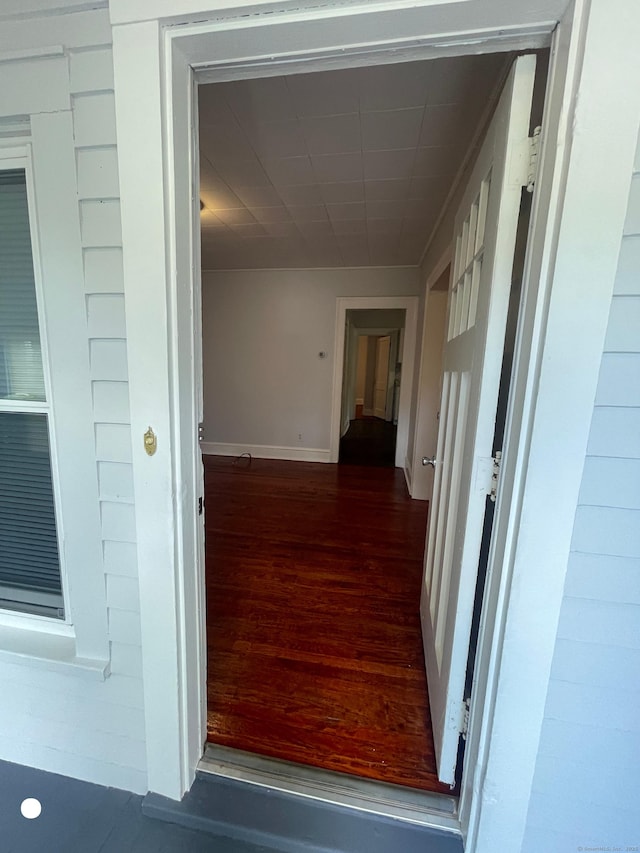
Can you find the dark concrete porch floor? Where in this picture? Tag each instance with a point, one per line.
(79, 816)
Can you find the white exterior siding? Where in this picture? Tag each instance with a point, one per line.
(586, 783)
(64, 721)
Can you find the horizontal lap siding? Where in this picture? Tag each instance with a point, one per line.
(91, 74)
(63, 722)
(585, 788)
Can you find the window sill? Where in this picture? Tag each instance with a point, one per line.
(50, 651)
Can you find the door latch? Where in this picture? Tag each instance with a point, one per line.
(200, 505)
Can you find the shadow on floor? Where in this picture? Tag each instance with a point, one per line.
(369, 441)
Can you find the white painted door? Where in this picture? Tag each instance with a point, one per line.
(383, 349)
(485, 233)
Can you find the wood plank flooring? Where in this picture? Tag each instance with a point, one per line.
(313, 584)
(369, 441)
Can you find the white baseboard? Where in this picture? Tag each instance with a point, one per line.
(368, 413)
(265, 451)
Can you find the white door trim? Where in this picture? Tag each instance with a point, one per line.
(344, 304)
(419, 489)
(575, 231)
(151, 66)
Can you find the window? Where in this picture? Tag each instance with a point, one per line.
(30, 576)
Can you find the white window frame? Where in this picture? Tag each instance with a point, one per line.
(20, 158)
(80, 643)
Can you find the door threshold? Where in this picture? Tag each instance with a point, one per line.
(422, 808)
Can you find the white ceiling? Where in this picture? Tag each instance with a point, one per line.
(335, 168)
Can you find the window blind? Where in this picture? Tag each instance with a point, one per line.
(28, 539)
(21, 375)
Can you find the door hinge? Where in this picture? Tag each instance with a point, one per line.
(495, 475)
(464, 725)
(200, 505)
(534, 151)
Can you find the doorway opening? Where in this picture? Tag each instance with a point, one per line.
(372, 375)
(320, 188)
(315, 656)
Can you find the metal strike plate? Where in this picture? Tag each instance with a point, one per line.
(150, 442)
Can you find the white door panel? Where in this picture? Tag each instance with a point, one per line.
(485, 233)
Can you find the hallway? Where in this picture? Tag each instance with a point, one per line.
(369, 441)
(313, 586)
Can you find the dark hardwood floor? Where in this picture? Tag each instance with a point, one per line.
(313, 584)
(369, 441)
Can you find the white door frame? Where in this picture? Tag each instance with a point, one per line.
(421, 478)
(573, 249)
(348, 303)
(395, 350)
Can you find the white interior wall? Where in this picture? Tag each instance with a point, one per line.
(264, 382)
(60, 720)
(590, 742)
